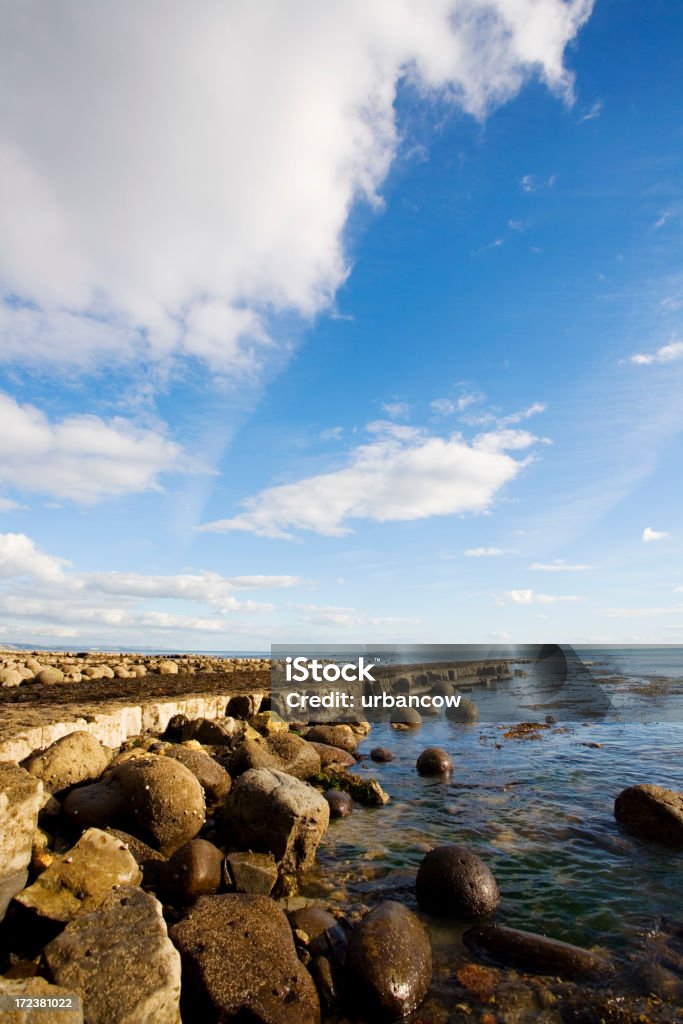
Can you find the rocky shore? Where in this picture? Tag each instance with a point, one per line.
(160, 878)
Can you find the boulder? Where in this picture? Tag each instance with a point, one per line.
(652, 812)
(334, 735)
(74, 758)
(241, 707)
(168, 668)
(77, 882)
(11, 677)
(466, 712)
(148, 860)
(389, 962)
(333, 755)
(312, 921)
(21, 796)
(271, 812)
(535, 953)
(196, 869)
(251, 872)
(69, 1012)
(267, 723)
(434, 761)
(381, 755)
(48, 676)
(217, 733)
(213, 778)
(121, 962)
(454, 882)
(155, 797)
(341, 803)
(406, 718)
(283, 751)
(240, 963)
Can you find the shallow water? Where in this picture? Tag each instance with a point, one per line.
(540, 814)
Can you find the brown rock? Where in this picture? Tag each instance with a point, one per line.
(196, 869)
(341, 803)
(254, 873)
(334, 735)
(434, 761)
(653, 812)
(333, 755)
(535, 953)
(211, 776)
(74, 758)
(452, 881)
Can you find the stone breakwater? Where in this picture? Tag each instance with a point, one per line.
(152, 855)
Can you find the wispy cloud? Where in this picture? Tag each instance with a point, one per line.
(650, 535)
(666, 354)
(483, 552)
(592, 112)
(526, 597)
(396, 410)
(559, 565)
(532, 183)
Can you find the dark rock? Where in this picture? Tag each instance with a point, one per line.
(389, 962)
(240, 707)
(283, 751)
(240, 963)
(454, 882)
(364, 790)
(213, 778)
(652, 812)
(381, 755)
(76, 757)
(175, 727)
(121, 962)
(148, 860)
(550, 720)
(341, 803)
(254, 873)
(535, 953)
(407, 717)
(434, 761)
(334, 735)
(154, 797)
(467, 711)
(196, 869)
(271, 812)
(333, 755)
(312, 921)
(217, 733)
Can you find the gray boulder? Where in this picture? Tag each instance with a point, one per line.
(121, 962)
(77, 882)
(283, 751)
(271, 812)
(240, 963)
(74, 758)
(213, 778)
(21, 796)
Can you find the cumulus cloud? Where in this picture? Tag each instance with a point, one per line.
(666, 354)
(650, 535)
(82, 458)
(532, 597)
(559, 565)
(403, 475)
(19, 556)
(193, 172)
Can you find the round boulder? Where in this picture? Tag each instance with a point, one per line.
(454, 882)
(334, 735)
(74, 758)
(213, 779)
(196, 869)
(434, 761)
(467, 711)
(381, 755)
(389, 962)
(406, 718)
(341, 804)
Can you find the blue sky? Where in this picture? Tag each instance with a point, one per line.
(342, 323)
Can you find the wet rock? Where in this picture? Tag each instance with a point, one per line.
(389, 962)
(74, 758)
(535, 953)
(341, 803)
(70, 1012)
(21, 796)
(452, 881)
(282, 751)
(334, 735)
(406, 717)
(271, 812)
(333, 755)
(364, 790)
(155, 797)
(121, 961)
(240, 963)
(77, 882)
(196, 869)
(434, 761)
(312, 921)
(254, 873)
(381, 755)
(550, 720)
(652, 812)
(467, 711)
(213, 778)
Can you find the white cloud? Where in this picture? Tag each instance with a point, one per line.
(449, 406)
(82, 458)
(19, 556)
(349, 617)
(194, 170)
(483, 552)
(9, 505)
(666, 354)
(532, 183)
(559, 565)
(531, 597)
(396, 410)
(593, 112)
(404, 475)
(650, 535)
(524, 414)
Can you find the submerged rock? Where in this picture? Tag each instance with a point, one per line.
(121, 961)
(21, 796)
(74, 758)
(467, 711)
(381, 755)
(406, 717)
(434, 761)
(389, 962)
(77, 882)
(535, 953)
(240, 963)
(452, 881)
(271, 812)
(341, 804)
(653, 812)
